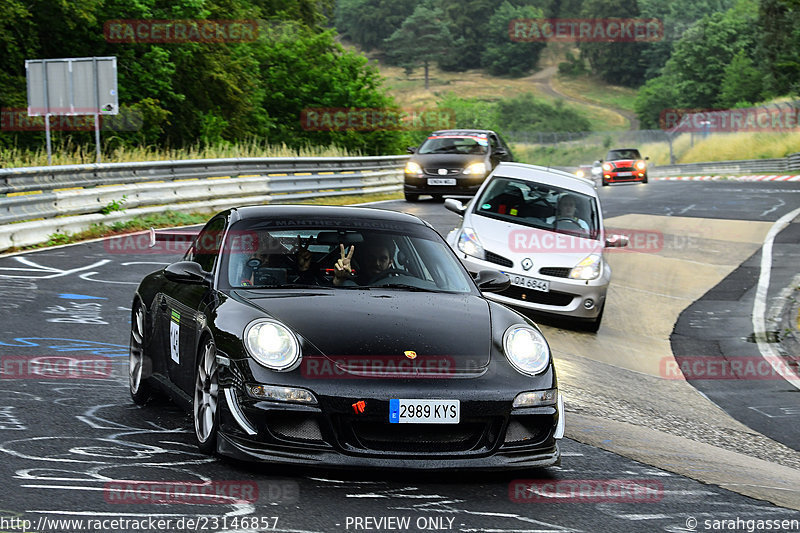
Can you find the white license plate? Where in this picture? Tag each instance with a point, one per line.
(441, 181)
(625, 174)
(424, 411)
(530, 283)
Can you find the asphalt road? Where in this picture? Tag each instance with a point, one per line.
(77, 449)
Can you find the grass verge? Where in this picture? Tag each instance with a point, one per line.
(68, 153)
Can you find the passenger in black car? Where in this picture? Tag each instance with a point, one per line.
(374, 259)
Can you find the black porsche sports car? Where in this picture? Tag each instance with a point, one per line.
(281, 358)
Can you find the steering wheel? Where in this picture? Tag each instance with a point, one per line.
(570, 220)
(387, 273)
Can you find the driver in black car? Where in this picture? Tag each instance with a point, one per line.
(567, 208)
(374, 258)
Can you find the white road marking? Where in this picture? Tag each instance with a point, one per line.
(760, 303)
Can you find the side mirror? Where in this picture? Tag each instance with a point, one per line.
(492, 281)
(187, 272)
(617, 241)
(501, 152)
(411, 149)
(451, 204)
(647, 157)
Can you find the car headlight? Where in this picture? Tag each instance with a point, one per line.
(476, 169)
(469, 244)
(641, 165)
(271, 344)
(580, 173)
(607, 167)
(413, 168)
(589, 268)
(526, 349)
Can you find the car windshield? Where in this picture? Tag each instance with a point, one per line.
(259, 255)
(540, 206)
(614, 155)
(454, 145)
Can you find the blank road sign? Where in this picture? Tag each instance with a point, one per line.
(72, 86)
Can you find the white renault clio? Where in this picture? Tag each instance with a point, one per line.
(544, 228)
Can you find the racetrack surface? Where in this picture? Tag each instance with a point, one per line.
(67, 441)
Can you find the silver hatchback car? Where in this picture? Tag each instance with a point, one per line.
(544, 229)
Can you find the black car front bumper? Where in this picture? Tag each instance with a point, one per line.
(490, 435)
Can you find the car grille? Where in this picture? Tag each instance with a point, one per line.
(624, 168)
(528, 430)
(450, 171)
(422, 438)
(294, 426)
(537, 297)
(498, 259)
(556, 272)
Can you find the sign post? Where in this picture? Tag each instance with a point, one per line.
(72, 86)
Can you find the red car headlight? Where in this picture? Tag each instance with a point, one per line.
(641, 165)
(607, 167)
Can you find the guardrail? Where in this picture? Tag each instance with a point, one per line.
(751, 166)
(71, 198)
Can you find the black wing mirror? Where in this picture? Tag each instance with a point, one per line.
(411, 149)
(492, 281)
(187, 272)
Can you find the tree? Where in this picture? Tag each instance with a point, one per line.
(702, 55)
(619, 63)
(466, 20)
(656, 97)
(676, 17)
(504, 56)
(422, 38)
(741, 82)
(779, 25)
(369, 22)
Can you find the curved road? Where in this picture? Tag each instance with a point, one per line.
(78, 449)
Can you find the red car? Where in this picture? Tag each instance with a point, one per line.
(624, 164)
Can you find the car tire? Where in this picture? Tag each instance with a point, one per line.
(645, 179)
(138, 362)
(205, 401)
(605, 183)
(411, 197)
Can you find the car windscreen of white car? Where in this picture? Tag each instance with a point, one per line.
(539, 206)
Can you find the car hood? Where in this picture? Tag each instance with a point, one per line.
(624, 162)
(447, 160)
(545, 248)
(375, 327)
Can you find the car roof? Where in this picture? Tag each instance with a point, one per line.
(321, 211)
(462, 132)
(617, 149)
(546, 175)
